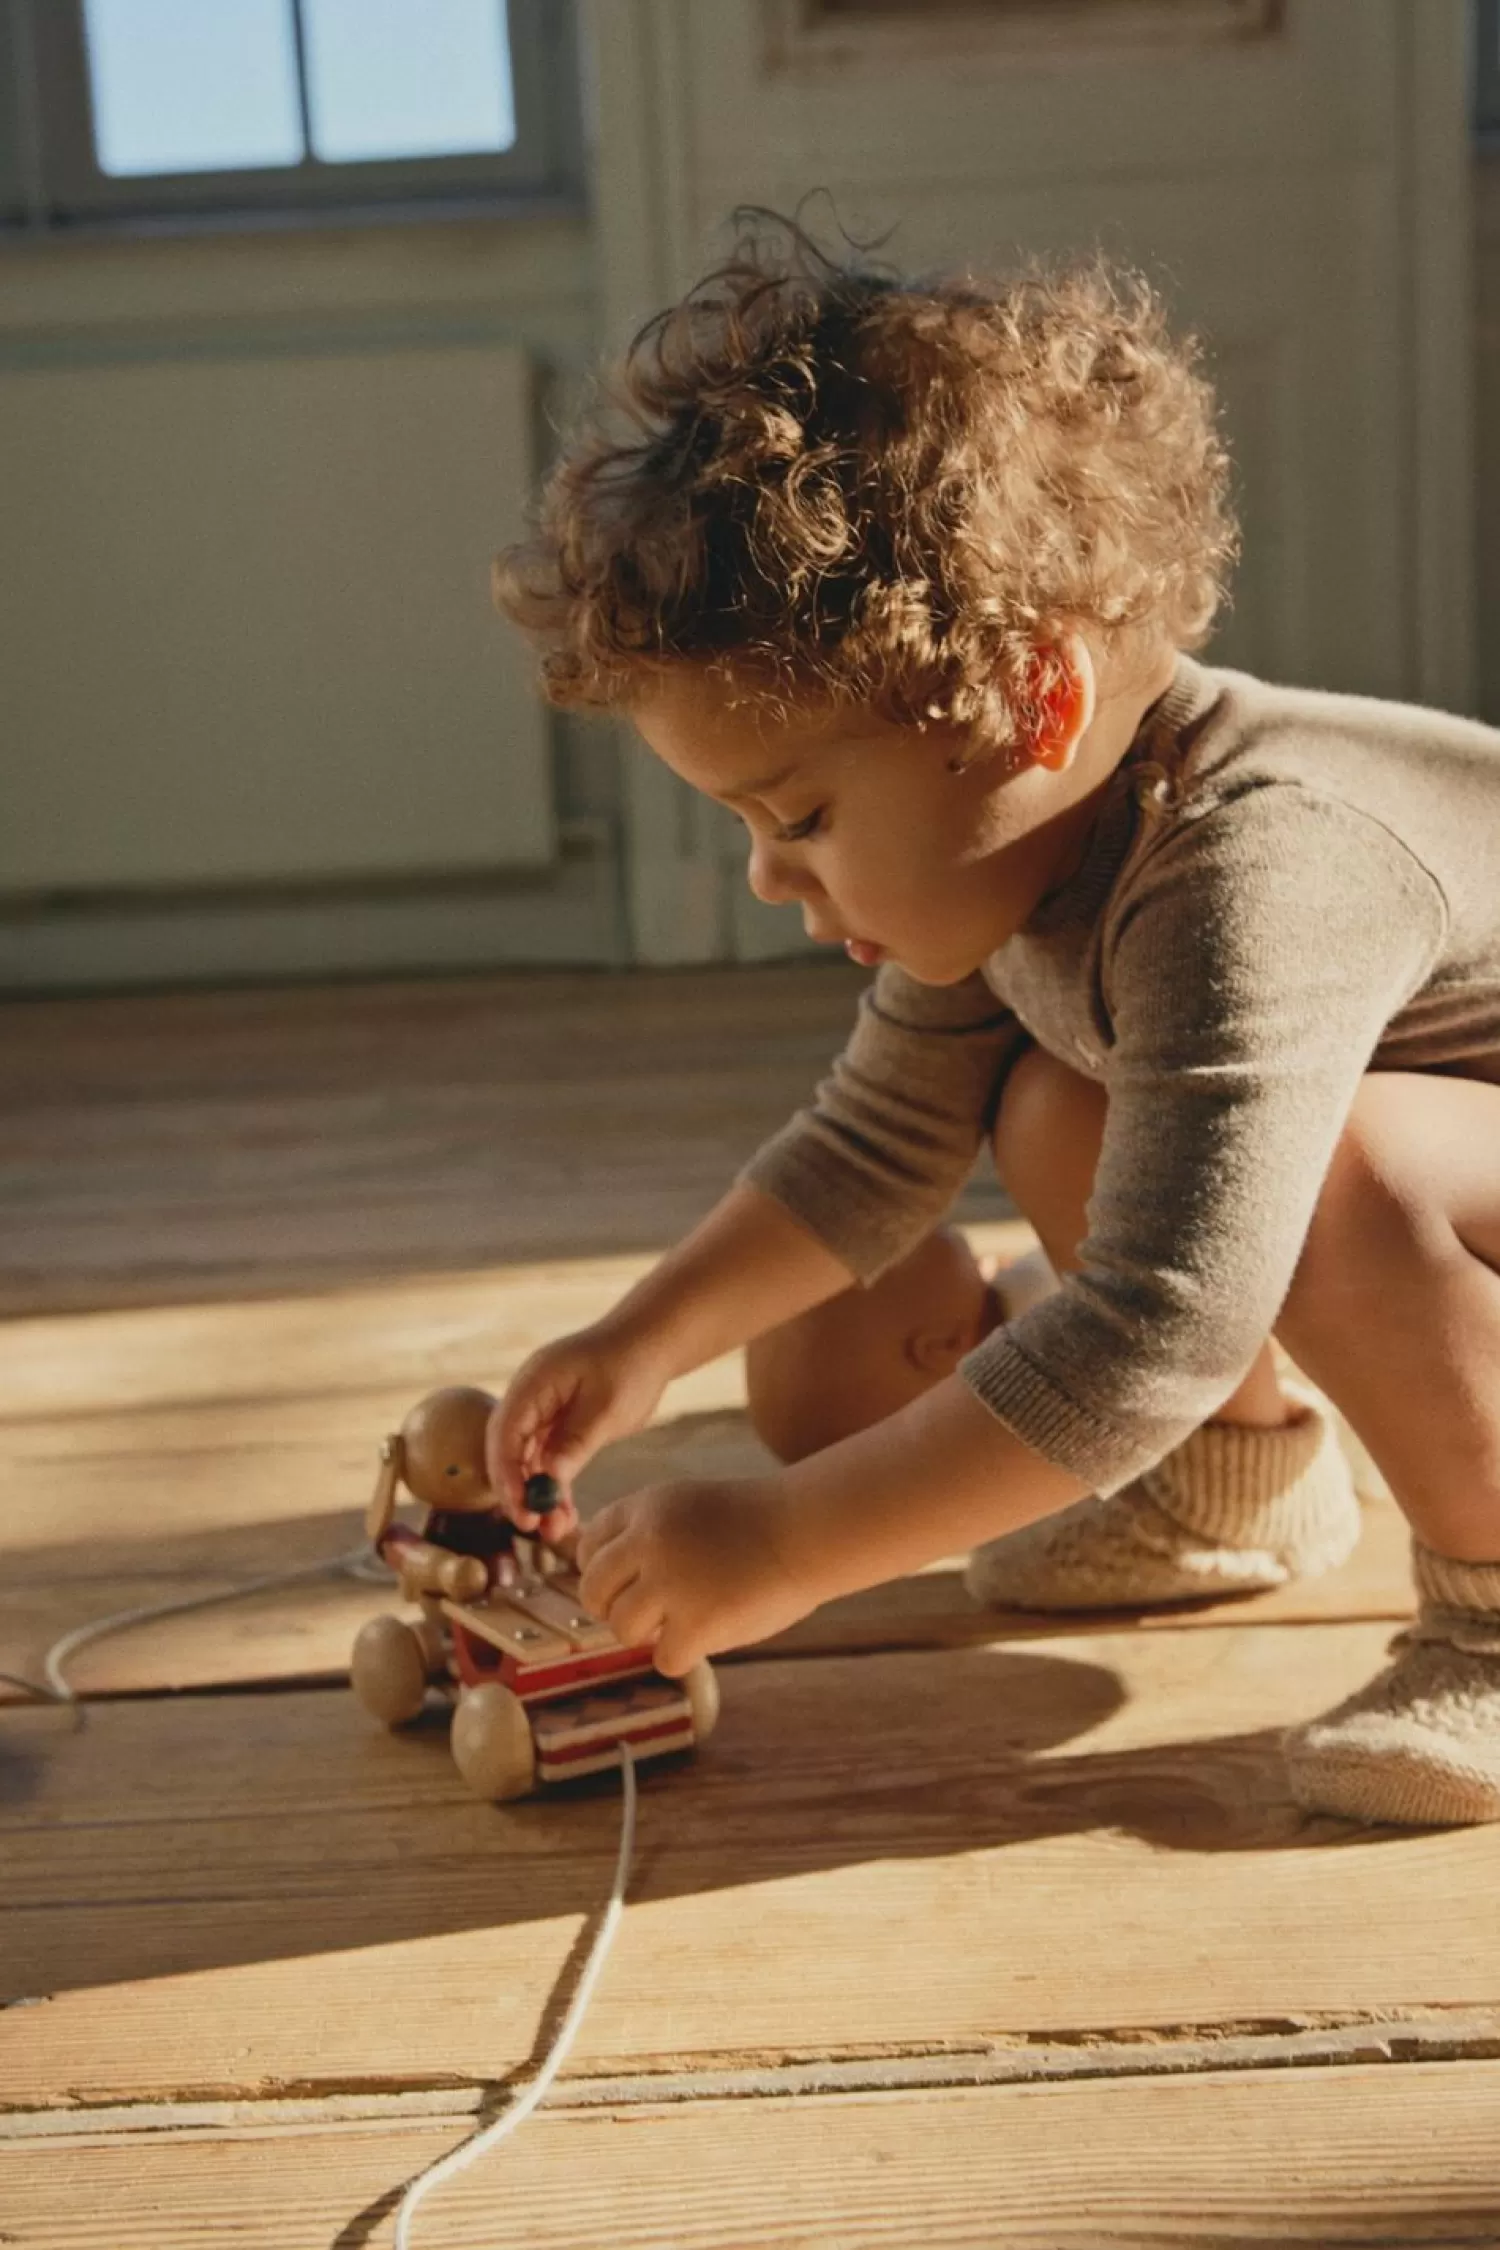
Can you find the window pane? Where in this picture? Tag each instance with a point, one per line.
(193, 85)
(391, 78)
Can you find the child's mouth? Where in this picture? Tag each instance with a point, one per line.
(862, 951)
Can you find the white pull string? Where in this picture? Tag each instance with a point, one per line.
(461, 2157)
(60, 1689)
(357, 1564)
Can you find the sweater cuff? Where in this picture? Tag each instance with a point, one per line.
(1100, 1454)
(819, 1188)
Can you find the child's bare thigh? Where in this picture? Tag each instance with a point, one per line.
(1423, 1148)
(1428, 1143)
(1410, 1204)
(1394, 1308)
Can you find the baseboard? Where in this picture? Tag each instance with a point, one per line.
(572, 917)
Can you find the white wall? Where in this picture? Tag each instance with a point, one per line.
(259, 717)
(1296, 178)
(1302, 197)
(1487, 284)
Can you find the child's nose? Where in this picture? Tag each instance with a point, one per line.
(773, 879)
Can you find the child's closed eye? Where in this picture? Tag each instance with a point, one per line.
(799, 830)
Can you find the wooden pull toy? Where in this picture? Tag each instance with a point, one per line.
(541, 1690)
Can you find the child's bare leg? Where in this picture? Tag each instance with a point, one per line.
(1047, 1141)
(1395, 1306)
(865, 1353)
(1261, 1494)
(1395, 1310)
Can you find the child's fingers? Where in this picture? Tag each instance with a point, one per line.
(496, 1468)
(608, 1576)
(507, 1466)
(560, 1525)
(565, 1545)
(675, 1652)
(545, 1509)
(516, 1438)
(565, 1462)
(636, 1615)
(597, 1533)
(562, 1463)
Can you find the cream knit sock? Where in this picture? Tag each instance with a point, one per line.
(1420, 1746)
(1233, 1510)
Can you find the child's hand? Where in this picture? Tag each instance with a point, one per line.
(569, 1399)
(693, 1567)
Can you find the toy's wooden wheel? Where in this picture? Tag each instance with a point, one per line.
(492, 1745)
(388, 1668)
(701, 1687)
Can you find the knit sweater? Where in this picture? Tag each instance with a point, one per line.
(1282, 890)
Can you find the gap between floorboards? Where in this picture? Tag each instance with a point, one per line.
(1451, 2036)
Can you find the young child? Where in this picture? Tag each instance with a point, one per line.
(908, 573)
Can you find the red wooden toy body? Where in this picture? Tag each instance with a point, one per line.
(534, 1640)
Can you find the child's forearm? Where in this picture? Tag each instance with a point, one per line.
(940, 1476)
(745, 1268)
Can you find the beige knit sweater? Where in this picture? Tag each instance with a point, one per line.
(1283, 890)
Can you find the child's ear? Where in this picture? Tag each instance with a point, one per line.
(1066, 705)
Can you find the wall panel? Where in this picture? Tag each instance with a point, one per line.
(250, 637)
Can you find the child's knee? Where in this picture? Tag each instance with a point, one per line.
(783, 1370)
(1048, 1132)
(866, 1353)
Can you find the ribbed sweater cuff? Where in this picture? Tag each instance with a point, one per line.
(1018, 1394)
(825, 1198)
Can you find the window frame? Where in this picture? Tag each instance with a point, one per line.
(1487, 70)
(50, 182)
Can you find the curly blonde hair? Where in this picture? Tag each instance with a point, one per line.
(822, 480)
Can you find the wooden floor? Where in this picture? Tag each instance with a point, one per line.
(964, 1929)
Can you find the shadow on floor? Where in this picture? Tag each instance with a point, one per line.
(178, 1834)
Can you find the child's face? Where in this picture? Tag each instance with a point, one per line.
(864, 826)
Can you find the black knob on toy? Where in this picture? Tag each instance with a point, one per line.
(541, 1494)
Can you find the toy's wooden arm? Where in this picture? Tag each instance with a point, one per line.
(383, 1504)
(421, 1567)
(426, 1569)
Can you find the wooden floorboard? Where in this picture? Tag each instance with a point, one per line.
(1374, 2156)
(302, 1634)
(964, 1929)
(148, 1455)
(173, 1148)
(236, 1893)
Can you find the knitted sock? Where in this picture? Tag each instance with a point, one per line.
(1233, 1510)
(1420, 1746)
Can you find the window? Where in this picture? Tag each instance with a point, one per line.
(1487, 69)
(124, 110)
